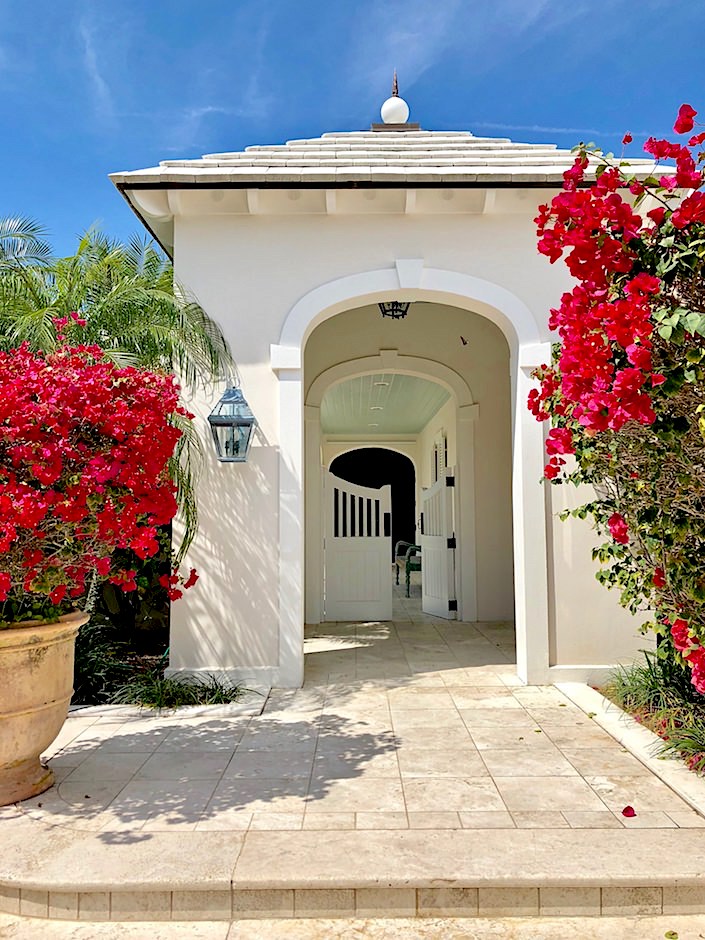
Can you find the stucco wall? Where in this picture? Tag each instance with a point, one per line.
(249, 272)
(588, 626)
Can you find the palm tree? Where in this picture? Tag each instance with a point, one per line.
(133, 310)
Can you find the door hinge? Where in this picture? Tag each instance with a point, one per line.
(450, 481)
(451, 543)
(452, 605)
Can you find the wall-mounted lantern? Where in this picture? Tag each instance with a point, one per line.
(232, 425)
(395, 309)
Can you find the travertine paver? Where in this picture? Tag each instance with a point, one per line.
(418, 724)
(514, 928)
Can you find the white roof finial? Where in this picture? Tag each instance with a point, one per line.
(395, 110)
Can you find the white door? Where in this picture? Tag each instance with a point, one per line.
(357, 551)
(438, 548)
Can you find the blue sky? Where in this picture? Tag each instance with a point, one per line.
(93, 87)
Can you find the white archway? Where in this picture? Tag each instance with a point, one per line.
(466, 411)
(529, 348)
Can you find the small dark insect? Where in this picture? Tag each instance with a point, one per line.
(463, 341)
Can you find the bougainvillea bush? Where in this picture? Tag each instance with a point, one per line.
(625, 392)
(84, 454)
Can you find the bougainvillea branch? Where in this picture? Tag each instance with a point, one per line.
(625, 392)
(84, 451)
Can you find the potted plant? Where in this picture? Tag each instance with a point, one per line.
(84, 470)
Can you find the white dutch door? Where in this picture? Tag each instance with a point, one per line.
(438, 548)
(357, 551)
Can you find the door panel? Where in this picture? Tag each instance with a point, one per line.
(357, 580)
(438, 548)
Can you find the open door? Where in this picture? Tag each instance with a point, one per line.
(438, 548)
(357, 551)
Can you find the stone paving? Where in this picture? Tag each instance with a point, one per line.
(686, 927)
(416, 724)
(411, 758)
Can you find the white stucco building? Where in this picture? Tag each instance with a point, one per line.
(291, 249)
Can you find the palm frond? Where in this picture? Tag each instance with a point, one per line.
(23, 241)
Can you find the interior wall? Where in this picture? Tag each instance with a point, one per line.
(476, 349)
(443, 422)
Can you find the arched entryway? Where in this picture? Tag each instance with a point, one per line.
(425, 408)
(411, 281)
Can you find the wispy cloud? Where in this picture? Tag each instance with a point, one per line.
(415, 35)
(409, 35)
(244, 75)
(104, 104)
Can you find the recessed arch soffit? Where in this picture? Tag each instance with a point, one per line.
(390, 362)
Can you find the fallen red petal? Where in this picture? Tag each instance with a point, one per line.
(629, 811)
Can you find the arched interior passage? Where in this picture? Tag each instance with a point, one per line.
(380, 466)
(452, 416)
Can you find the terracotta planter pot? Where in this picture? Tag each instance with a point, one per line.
(36, 685)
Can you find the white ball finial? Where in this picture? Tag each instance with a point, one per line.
(395, 110)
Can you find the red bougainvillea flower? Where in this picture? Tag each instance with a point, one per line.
(629, 812)
(690, 210)
(84, 470)
(622, 339)
(659, 578)
(618, 528)
(684, 121)
(681, 635)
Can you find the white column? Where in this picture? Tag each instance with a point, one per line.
(291, 531)
(530, 537)
(466, 551)
(314, 526)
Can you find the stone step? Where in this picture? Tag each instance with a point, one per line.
(52, 873)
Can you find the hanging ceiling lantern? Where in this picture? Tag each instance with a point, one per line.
(232, 425)
(395, 309)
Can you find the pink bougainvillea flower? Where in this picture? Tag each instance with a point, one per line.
(618, 528)
(559, 441)
(627, 139)
(684, 121)
(629, 812)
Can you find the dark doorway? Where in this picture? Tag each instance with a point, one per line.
(378, 466)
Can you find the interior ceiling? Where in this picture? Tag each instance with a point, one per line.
(381, 404)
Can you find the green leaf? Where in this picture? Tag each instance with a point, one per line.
(665, 331)
(671, 935)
